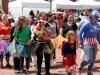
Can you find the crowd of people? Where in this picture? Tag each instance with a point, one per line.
(34, 37)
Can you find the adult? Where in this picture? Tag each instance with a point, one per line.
(11, 20)
(82, 21)
(32, 14)
(83, 15)
(78, 21)
(60, 19)
(41, 49)
(9, 14)
(37, 15)
(54, 29)
(88, 41)
(76, 15)
(68, 25)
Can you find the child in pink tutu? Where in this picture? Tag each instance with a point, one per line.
(69, 52)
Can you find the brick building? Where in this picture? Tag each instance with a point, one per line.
(4, 5)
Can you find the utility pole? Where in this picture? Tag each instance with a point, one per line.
(50, 5)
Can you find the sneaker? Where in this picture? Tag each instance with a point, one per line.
(78, 71)
(94, 68)
(89, 74)
(24, 70)
(47, 74)
(52, 64)
(27, 73)
(38, 74)
(22, 73)
(8, 66)
(54, 61)
(17, 71)
(1, 66)
(35, 66)
(69, 73)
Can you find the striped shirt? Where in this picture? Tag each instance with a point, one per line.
(90, 40)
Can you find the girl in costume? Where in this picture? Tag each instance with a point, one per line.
(69, 52)
(88, 41)
(42, 44)
(4, 40)
(16, 60)
(22, 37)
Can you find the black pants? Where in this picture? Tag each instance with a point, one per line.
(16, 63)
(7, 55)
(22, 62)
(47, 62)
(54, 54)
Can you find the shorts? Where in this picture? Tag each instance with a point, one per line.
(69, 61)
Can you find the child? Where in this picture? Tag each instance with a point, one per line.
(69, 52)
(22, 36)
(4, 40)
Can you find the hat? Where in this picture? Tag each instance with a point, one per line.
(40, 21)
(95, 14)
(69, 11)
(10, 17)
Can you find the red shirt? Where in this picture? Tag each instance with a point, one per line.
(5, 31)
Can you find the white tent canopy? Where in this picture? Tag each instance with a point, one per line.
(30, 4)
(65, 4)
(23, 7)
(81, 4)
(87, 4)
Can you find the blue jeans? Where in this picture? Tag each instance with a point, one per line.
(90, 53)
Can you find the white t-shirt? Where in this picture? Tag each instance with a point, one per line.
(53, 29)
(32, 35)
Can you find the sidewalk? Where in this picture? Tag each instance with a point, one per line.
(58, 69)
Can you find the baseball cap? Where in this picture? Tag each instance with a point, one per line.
(95, 14)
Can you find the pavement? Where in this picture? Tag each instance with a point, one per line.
(58, 69)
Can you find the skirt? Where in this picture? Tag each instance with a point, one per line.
(59, 40)
(42, 47)
(22, 50)
(70, 61)
(3, 46)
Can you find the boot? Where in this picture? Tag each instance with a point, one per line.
(1, 63)
(8, 64)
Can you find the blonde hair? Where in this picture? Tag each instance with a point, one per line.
(69, 33)
(21, 19)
